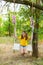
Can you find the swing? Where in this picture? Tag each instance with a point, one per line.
(16, 46)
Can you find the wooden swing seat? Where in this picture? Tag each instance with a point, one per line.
(16, 47)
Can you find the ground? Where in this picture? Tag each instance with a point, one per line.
(9, 57)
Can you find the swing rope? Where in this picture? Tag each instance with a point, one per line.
(32, 8)
(14, 23)
(32, 23)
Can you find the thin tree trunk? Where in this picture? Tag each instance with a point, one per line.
(9, 20)
(9, 26)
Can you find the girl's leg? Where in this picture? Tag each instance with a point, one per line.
(21, 50)
(25, 50)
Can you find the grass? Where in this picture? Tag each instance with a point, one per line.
(15, 59)
(5, 40)
(8, 57)
(9, 40)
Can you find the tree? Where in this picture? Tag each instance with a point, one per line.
(5, 28)
(35, 33)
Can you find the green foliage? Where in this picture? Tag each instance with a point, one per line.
(22, 22)
(24, 18)
(6, 27)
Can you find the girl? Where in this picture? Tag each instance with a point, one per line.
(23, 42)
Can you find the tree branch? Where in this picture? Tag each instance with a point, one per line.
(27, 3)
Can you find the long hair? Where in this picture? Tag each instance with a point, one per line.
(26, 36)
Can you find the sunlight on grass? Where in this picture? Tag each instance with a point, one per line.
(6, 40)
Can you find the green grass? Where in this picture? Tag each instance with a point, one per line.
(6, 40)
(12, 58)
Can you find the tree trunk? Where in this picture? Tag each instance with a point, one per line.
(35, 43)
(35, 33)
(9, 25)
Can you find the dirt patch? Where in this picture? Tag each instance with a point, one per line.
(9, 57)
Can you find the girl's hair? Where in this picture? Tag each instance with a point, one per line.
(26, 36)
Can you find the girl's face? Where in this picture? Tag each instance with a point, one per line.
(23, 34)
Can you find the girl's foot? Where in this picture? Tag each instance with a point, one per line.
(23, 54)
